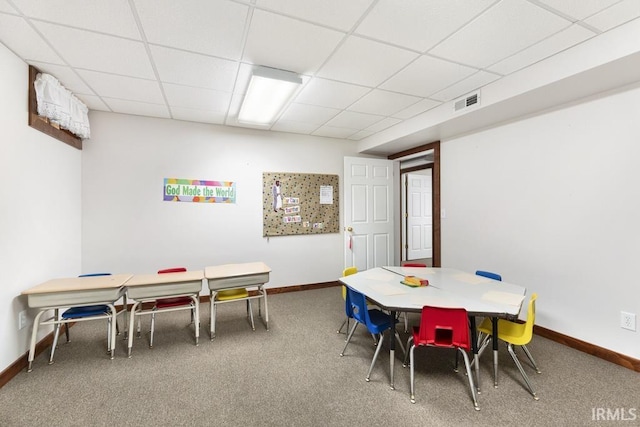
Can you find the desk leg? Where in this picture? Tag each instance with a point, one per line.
(34, 335)
(112, 331)
(266, 308)
(212, 315)
(474, 348)
(392, 346)
(126, 317)
(196, 321)
(56, 334)
(494, 339)
(132, 320)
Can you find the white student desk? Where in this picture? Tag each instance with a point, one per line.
(448, 287)
(72, 292)
(150, 287)
(234, 276)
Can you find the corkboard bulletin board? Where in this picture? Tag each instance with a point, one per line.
(299, 203)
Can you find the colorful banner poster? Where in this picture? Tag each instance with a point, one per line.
(193, 190)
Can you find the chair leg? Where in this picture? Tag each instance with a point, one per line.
(411, 375)
(406, 322)
(375, 357)
(521, 369)
(345, 322)
(470, 376)
(482, 347)
(66, 331)
(212, 324)
(533, 362)
(108, 335)
(250, 313)
(153, 324)
(353, 329)
(406, 354)
(55, 342)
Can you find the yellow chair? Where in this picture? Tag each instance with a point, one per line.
(515, 333)
(346, 272)
(229, 295)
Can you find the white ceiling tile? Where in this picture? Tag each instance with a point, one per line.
(6, 7)
(383, 124)
(353, 120)
(417, 108)
(365, 62)
(616, 15)
(338, 14)
(427, 75)
(418, 24)
(294, 127)
(383, 103)
(65, 76)
(105, 16)
(503, 30)
(328, 93)
(121, 87)
(201, 116)
(578, 9)
(308, 114)
(361, 135)
(22, 39)
(93, 102)
(193, 69)
(547, 47)
(467, 85)
(333, 132)
(84, 49)
(197, 98)
(214, 27)
(280, 42)
(360, 60)
(137, 108)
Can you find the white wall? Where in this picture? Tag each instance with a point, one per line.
(40, 210)
(127, 227)
(553, 203)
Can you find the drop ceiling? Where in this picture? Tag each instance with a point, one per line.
(376, 72)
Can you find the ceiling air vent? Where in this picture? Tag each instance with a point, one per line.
(466, 101)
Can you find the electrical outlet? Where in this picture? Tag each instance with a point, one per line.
(628, 321)
(22, 319)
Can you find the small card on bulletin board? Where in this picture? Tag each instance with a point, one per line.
(299, 203)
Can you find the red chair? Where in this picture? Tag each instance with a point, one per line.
(165, 303)
(415, 264)
(444, 328)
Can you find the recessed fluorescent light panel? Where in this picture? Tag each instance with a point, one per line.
(268, 92)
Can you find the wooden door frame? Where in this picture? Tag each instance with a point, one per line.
(435, 195)
(403, 191)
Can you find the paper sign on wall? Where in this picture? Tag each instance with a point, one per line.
(193, 190)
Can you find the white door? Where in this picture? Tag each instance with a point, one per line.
(368, 212)
(419, 216)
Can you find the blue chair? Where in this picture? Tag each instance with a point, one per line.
(490, 275)
(375, 321)
(83, 312)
